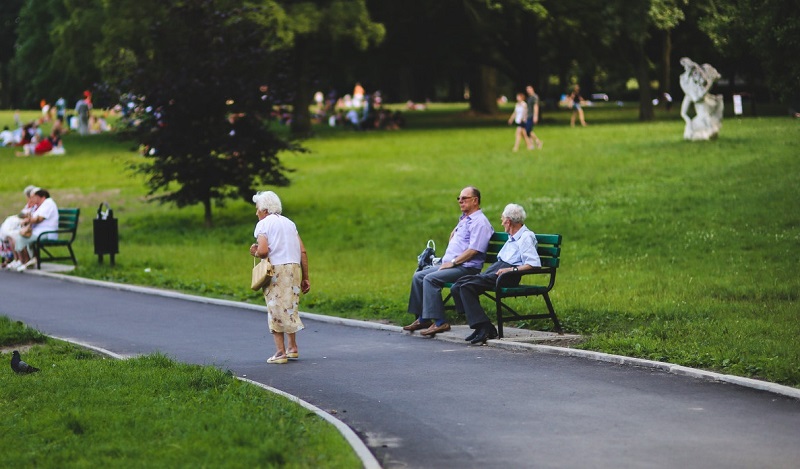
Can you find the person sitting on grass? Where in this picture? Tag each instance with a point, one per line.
(7, 137)
(41, 146)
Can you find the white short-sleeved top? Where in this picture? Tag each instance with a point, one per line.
(282, 238)
(49, 211)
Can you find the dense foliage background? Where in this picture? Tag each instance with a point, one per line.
(415, 49)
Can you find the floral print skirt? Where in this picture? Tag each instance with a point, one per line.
(283, 298)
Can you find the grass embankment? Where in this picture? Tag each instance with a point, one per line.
(678, 251)
(83, 410)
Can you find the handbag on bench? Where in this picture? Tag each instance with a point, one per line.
(425, 258)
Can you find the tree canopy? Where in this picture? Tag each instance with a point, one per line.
(198, 80)
(204, 71)
(442, 50)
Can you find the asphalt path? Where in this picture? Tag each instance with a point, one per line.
(428, 403)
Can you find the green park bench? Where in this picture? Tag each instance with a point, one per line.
(549, 248)
(67, 224)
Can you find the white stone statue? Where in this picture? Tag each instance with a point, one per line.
(696, 80)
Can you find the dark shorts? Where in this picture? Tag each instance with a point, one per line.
(529, 125)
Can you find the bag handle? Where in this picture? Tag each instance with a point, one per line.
(430, 242)
(107, 214)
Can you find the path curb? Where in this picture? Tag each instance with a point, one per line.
(362, 451)
(774, 388)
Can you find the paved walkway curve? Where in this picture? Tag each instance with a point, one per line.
(432, 403)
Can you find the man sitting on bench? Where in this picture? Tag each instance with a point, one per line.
(465, 253)
(517, 254)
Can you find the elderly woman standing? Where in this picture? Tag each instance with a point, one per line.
(277, 239)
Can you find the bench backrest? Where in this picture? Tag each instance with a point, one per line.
(548, 246)
(68, 218)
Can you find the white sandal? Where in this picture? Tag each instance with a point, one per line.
(277, 359)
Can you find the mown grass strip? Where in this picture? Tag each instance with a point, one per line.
(83, 410)
(678, 251)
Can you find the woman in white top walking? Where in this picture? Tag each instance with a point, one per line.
(518, 118)
(277, 239)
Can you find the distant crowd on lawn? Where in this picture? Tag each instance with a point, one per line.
(359, 110)
(28, 136)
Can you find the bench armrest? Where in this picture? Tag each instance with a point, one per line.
(63, 230)
(512, 279)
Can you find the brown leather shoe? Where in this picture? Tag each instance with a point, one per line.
(431, 331)
(416, 325)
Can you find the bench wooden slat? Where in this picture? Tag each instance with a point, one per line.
(68, 218)
(67, 225)
(549, 249)
(553, 239)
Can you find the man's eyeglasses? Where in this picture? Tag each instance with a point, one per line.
(463, 199)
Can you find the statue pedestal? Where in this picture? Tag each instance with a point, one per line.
(708, 121)
(695, 81)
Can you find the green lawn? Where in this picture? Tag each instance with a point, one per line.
(82, 410)
(679, 251)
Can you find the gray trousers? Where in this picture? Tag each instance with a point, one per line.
(425, 300)
(467, 293)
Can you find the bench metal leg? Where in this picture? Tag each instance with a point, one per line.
(500, 305)
(552, 313)
(75, 261)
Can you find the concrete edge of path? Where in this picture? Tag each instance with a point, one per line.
(368, 459)
(599, 356)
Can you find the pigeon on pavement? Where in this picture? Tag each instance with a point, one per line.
(20, 366)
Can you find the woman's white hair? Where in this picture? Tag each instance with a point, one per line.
(515, 213)
(269, 201)
(30, 190)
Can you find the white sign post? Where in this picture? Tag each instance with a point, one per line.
(737, 104)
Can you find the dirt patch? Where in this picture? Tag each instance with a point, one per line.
(76, 198)
(19, 347)
(554, 341)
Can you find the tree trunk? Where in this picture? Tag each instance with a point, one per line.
(7, 100)
(303, 95)
(643, 79)
(483, 90)
(666, 63)
(207, 213)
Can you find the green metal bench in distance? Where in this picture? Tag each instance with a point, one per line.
(67, 224)
(549, 248)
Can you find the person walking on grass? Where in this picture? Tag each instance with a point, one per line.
(518, 119)
(278, 240)
(533, 117)
(576, 100)
(465, 254)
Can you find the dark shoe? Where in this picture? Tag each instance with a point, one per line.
(473, 335)
(434, 329)
(416, 325)
(486, 333)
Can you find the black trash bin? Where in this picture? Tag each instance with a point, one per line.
(106, 233)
